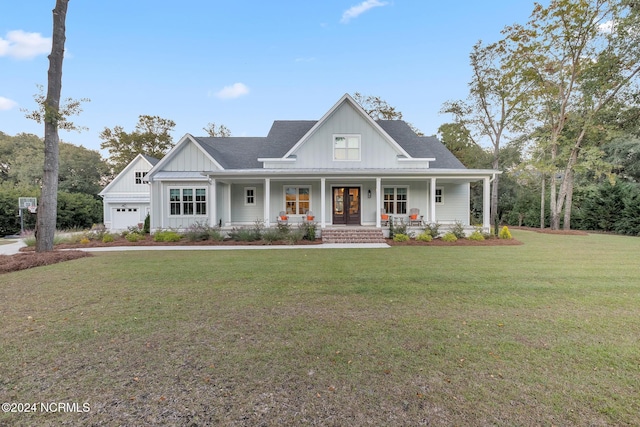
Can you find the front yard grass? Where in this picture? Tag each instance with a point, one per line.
(544, 333)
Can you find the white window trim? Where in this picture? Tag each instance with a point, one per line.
(194, 214)
(347, 135)
(142, 175)
(246, 196)
(284, 197)
(441, 202)
(395, 187)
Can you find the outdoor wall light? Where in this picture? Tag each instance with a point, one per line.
(369, 194)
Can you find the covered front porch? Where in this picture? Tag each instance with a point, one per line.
(345, 199)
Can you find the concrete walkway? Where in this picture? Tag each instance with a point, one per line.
(11, 248)
(14, 248)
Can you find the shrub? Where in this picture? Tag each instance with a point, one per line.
(424, 237)
(197, 231)
(308, 230)
(400, 237)
(505, 233)
(132, 237)
(294, 236)
(458, 230)
(477, 236)
(107, 238)
(396, 227)
(146, 228)
(271, 235)
(243, 235)
(449, 237)
(97, 232)
(433, 229)
(165, 236)
(84, 241)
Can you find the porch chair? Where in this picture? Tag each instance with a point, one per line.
(384, 218)
(283, 218)
(414, 217)
(309, 216)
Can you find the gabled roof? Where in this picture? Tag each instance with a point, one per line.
(243, 153)
(176, 148)
(347, 99)
(152, 161)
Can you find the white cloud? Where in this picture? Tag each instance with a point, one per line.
(6, 103)
(22, 45)
(236, 90)
(606, 27)
(355, 11)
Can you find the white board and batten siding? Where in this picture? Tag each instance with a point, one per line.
(455, 204)
(126, 198)
(375, 150)
(189, 158)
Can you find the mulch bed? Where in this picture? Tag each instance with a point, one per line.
(25, 260)
(459, 242)
(28, 258)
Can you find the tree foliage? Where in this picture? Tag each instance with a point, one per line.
(216, 132)
(580, 56)
(70, 107)
(152, 137)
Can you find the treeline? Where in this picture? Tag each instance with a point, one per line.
(83, 173)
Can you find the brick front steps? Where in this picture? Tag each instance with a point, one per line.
(352, 235)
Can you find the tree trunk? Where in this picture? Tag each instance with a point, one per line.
(542, 200)
(566, 225)
(48, 206)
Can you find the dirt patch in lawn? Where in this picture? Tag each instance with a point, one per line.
(30, 259)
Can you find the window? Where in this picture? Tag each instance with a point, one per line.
(187, 201)
(139, 176)
(395, 200)
(250, 196)
(297, 200)
(346, 147)
(439, 199)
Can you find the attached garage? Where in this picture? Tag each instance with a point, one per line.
(122, 218)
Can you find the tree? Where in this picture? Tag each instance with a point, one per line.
(47, 206)
(496, 104)
(457, 138)
(221, 131)
(379, 109)
(581, 56)
(151, 137)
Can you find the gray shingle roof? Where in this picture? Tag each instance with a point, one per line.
(243, 152)
(421, 146)
(150, 159)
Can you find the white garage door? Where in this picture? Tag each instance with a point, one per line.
(124, 217)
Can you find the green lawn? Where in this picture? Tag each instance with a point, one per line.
(546, 333)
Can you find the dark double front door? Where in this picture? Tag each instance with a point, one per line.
(346, 205)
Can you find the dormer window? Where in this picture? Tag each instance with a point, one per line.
(346, 147)
(139, 176)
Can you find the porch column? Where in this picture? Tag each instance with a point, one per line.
(378, 201)
(228, 203)
(323, 188)
(213, 208)
(267, 202)
(486, 205)
(432, 201)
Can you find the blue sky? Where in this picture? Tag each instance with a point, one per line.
(243, 63)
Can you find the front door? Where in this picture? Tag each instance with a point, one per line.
(346, 205)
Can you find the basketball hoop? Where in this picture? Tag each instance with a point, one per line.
(32, 209)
